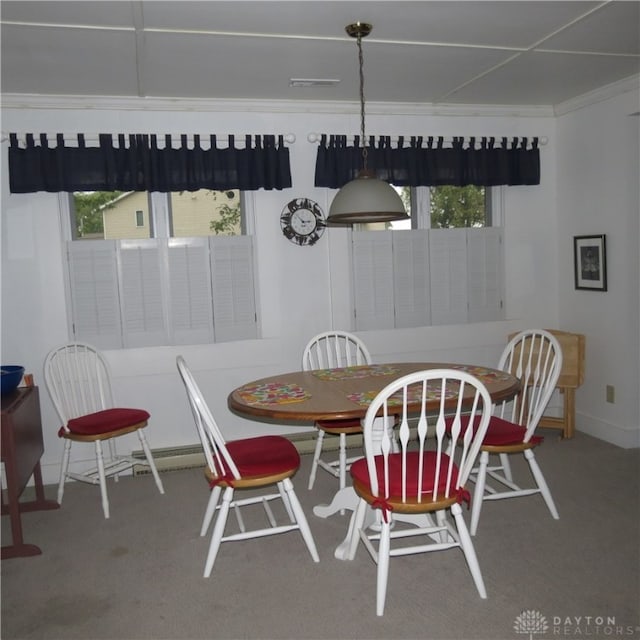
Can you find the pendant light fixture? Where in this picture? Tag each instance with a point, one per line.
(366, 198)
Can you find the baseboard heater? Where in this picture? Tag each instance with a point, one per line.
(191, 456)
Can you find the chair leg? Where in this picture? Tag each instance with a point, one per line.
(286, 502)
(218, 531)
(342, 460)
(211, 509)
(113, 454)
(150, 460)
(441, 520)
(383, 567)
(469, 552)
(64, 467)
(478, 494)
(301, 519)
(102, 479)
(316, 457)
(506, 466)
(541, 482)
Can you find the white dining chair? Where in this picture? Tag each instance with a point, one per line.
(535, 357)
(420, 478)
(249, 464)
(329, 350)
(78, 380)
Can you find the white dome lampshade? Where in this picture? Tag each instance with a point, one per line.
(366, 199)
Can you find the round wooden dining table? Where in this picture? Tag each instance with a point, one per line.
(337, 394)
(301, 397)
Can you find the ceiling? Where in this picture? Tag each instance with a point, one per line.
(426, 52)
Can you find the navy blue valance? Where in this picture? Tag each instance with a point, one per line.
(135, 162)
(419, 161)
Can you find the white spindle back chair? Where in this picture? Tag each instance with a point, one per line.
(330, 350)
(78, 380)
(251, 463)
(535, 357)
(422, 477)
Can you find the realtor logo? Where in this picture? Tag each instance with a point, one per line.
(530, 622)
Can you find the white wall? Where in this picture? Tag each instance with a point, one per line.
(598, 192)
(303, 290)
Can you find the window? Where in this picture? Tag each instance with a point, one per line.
(443, 207)
(107, 214)
(444, 266)
(183, 276)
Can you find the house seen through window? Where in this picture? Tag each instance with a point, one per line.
(127, 215)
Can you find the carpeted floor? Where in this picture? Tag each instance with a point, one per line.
(138, 575)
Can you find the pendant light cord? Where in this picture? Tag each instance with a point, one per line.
(363, 144)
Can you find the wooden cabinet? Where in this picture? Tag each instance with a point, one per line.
(22, 448)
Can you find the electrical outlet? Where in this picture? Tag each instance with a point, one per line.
(611, 394)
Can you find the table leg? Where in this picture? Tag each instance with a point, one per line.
(569, 412)
(346, 498)
(14, 508)
(342, 550)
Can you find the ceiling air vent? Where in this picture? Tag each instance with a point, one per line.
(313, 82)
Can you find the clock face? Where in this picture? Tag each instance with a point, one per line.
(302, 221)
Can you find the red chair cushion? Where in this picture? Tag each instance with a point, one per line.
(105, 421)
(500, 432)
(360, 474)
(264, 455)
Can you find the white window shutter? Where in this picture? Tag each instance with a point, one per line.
(142, 274)
(411, 278)
(234, 306)
(448, 265)
(373, 279)
(484, 251)
(93, 286)
(189, 301)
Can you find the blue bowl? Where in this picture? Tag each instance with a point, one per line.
(11, 377)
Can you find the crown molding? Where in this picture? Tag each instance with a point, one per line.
(632, 83)
(126, 103)
(200, 105)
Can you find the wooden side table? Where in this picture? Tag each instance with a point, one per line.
(571, 377)
(22, 448)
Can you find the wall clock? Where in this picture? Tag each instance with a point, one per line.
(302, 221)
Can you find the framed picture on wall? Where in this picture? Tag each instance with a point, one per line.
(590, 262)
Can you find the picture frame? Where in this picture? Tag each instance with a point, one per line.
(590, 262)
